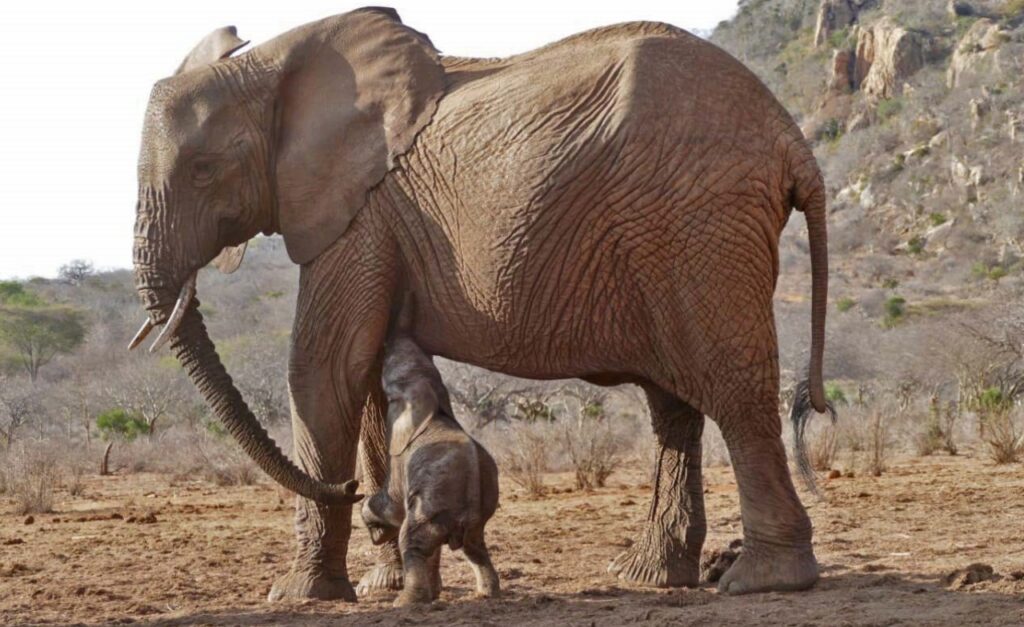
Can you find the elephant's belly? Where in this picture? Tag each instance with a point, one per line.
(544, 315)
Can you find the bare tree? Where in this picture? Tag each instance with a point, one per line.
(18, 405)
(148, 390)
(75, 272)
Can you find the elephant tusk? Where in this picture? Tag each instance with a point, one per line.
(143, 331)
(188, 292)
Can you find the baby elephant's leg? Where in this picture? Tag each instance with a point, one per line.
(479, 558)
(419, 542)
(434, 568)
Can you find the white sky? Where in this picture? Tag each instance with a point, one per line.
(75, 77)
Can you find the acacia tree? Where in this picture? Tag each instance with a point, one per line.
(35, 334)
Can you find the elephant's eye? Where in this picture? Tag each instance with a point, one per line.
(203, 171)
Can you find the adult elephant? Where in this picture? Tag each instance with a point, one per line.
(607, 207)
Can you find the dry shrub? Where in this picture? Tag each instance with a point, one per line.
(878, 442)
(938, 433)
(225, 464)
(33, 475)
(595, 450)
(1004, 438)
(823, 448)
(523, 454)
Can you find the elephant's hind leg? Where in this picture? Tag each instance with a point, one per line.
(475, 550)
(667, 554)
(777, 552)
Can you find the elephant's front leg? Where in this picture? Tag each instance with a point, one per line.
(340, 323)
(667, 554)
(325, 431)
(386, 573)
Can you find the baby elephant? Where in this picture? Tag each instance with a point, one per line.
(441, 486)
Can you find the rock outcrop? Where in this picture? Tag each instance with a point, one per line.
(977, 53)
(835, 15)
(887, 54)
(842, 81)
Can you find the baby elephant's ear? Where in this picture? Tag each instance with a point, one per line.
(216, 46)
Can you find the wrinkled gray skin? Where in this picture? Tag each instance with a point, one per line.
(441, 486)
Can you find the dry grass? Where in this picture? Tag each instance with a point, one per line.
(878, 442)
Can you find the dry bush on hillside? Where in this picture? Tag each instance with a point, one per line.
(33, 474)
(938, 433)
(823, 448)
(1004, 438)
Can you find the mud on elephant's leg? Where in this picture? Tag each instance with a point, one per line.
(667, 554)
(386, 573)
(777, 552)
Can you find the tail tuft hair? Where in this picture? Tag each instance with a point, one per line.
(800, 416)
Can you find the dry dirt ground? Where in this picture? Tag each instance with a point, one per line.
(886, 546)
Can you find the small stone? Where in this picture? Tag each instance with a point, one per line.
(13, 541)
(834, 474)
(30, 519)
(116, 516)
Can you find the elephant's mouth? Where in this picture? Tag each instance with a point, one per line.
(170, 327)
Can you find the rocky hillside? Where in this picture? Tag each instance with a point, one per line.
(916, 109)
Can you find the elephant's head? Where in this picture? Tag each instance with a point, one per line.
(381, 530)
(287, 138)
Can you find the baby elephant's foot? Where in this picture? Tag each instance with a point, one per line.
(488, 592)
(413, 596)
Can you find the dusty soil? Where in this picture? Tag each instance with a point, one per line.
(208, 555)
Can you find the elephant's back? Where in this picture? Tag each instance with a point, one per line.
(558, 194)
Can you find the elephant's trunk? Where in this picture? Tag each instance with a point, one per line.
(195, 351)
(157, 282)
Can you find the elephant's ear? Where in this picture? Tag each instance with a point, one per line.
(355, 91)
(216, 46)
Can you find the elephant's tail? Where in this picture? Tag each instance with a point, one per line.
(809, 198)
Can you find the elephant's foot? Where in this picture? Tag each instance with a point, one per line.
(414, 596)
(760, 569)
(311, 585)
(383, 577)
(658, 560)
